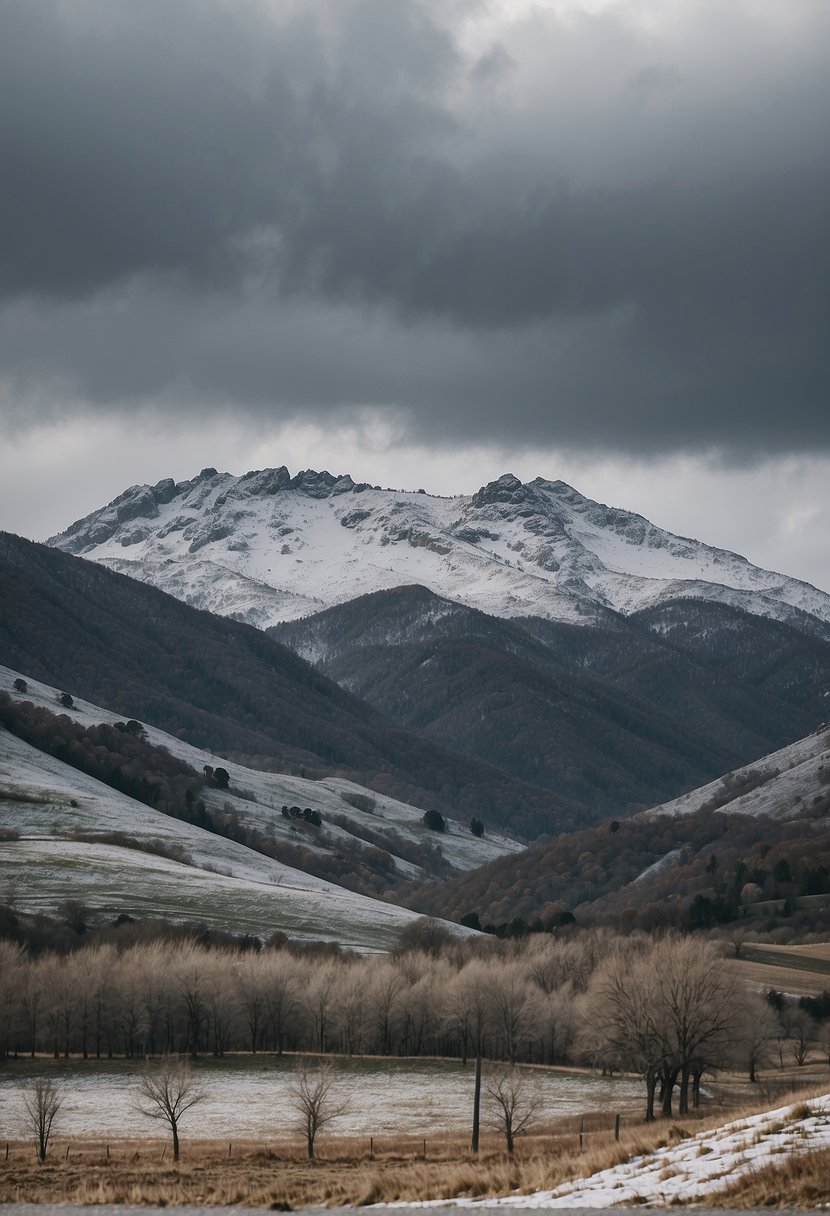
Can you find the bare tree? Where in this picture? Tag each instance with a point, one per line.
(514, 1007)
(557, 1023)
(697, 1010)
(670, 1013)
(311, 1094)
(755, 1032)
(801, 1028)
(513, 1102)
(619, 1027)
(11, 981)
(283, 985)
(383, 999)
(42, 1102)
(168, 1092)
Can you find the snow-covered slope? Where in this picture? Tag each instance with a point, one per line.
(693, 1170)
(46, 806)
(266, 547)
(256, 798)
(783, 785)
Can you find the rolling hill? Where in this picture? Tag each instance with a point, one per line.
(69, 837)
(755, 842)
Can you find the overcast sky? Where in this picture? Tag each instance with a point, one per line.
(423, 243)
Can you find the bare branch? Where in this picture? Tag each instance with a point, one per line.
(168, 1092)
(313, 1100)
(42, 1102)
(513, 1101)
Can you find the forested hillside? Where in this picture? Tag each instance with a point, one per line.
(620, 714)
(754, 843)
(226, 686)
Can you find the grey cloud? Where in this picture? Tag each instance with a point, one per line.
(578, 235)
(596, 381)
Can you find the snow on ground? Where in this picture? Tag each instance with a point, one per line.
(690, 1171)
(259, 549)
(784, 794)
(657, 866)
(226, 885)
(41, 875)
(258, 797)
(247, 1097)
(53, 800)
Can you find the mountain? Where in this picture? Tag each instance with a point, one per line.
(632, 710)
(229, 688)
(755, 842)
(267, 547)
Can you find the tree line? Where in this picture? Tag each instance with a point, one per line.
(667, 1009)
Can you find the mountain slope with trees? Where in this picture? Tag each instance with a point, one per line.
(757, 840)
(225, 686)
(622, 714)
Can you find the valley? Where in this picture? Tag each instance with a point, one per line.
(401, 832)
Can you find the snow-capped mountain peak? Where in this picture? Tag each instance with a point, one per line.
(266, 547)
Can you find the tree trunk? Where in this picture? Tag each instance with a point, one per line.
(651, 1086)
(668, 1082)
(696, 1076)
(175, 1131)
(683, 1103)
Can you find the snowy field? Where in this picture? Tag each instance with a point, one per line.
(250, 1099)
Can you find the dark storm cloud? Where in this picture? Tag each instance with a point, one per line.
(574, 233)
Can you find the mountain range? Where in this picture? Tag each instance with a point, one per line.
(578, 648)
(267, 547)
(522, 659)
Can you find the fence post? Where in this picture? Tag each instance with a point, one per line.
(425, 1150)
(581, 1128)
(616, 1127)
(371, 1146)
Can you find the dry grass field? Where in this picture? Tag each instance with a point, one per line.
(817, 954)
(278, 1176)
(798, 1182)
(281, 1178)
(801, 970)
(784, 979)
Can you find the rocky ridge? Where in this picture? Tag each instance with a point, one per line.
(267, 546)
